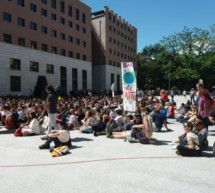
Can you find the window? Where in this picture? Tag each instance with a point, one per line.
(84, 57)
(111, 78)
(77, 41)
(62, 36)
(83, 18)
(77, 27)
(49, 68)
(62, 20)
(21, 3)
(110, 62)
(62, 52)
(15, 64)
(21, 22)
(62, 6)
(54, 16)
(44, 1)
(54, 4)
(7, 38)
(54, 33)
(21, 41)
(15, 83)
(84, 44)
(44, 29)
(7, 17)
(33, 7)
(44, 12)
(84, 79)
(54, 50)
(70, 39)
(83, 30)
(33, 45)
(77, 14)
(70, 24)
(44, 47)
(109, 15)
(77, 56)
(33, 26)
(70, 54)
(75, 79)
(34, 66)
(118, 81)
(70, 10)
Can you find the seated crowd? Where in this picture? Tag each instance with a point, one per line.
(104, 115)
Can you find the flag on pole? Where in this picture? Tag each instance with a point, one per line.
(129, 86)
(112, 89)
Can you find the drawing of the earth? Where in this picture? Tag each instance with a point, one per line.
(128, 78)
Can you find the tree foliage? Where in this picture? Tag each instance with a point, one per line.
(183, 57)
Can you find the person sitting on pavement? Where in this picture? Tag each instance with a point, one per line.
(33, 127)
(142, 133)
(60, 137)
(195, 141)
(158, 120)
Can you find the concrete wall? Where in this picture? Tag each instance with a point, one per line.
(28, 79)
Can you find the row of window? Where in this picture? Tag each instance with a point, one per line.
(112, 17)
(44, 47)
(15, 64)
(33, 26)
(122, 34)
(54, 5)
(15, 81)
(123, 56)
(122, 45)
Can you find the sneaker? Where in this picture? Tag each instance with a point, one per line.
(132, 140)
(44, 146)
(44, 138)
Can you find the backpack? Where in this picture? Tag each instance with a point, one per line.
(111, 127)
(18, 132)
(59, 151)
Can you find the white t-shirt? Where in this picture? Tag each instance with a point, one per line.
(73, 120)
(194, 138)
(64, 136)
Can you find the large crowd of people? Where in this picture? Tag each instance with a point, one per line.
(104, 115)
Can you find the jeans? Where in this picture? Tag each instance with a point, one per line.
(52, 122)
(55, 140)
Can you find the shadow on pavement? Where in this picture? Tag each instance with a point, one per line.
(78, 139)
(3, 131)
(158, 142)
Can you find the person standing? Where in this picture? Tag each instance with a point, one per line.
(51, 108)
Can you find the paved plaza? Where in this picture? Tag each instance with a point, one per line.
(102, 165)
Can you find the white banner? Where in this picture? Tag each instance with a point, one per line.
(129, 86)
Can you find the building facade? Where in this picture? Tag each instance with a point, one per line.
(59, 42)
(114, 40)
(45, 42)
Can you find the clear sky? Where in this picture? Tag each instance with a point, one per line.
(155, 19)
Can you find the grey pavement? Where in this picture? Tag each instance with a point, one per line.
(102, 165)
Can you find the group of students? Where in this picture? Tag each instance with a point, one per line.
(103, 115)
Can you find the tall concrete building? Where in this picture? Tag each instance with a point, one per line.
(59, 42)
(114, 40)
(44, 42)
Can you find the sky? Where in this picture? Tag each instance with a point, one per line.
(155, 19)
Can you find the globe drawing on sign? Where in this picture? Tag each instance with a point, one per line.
(128, 78)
